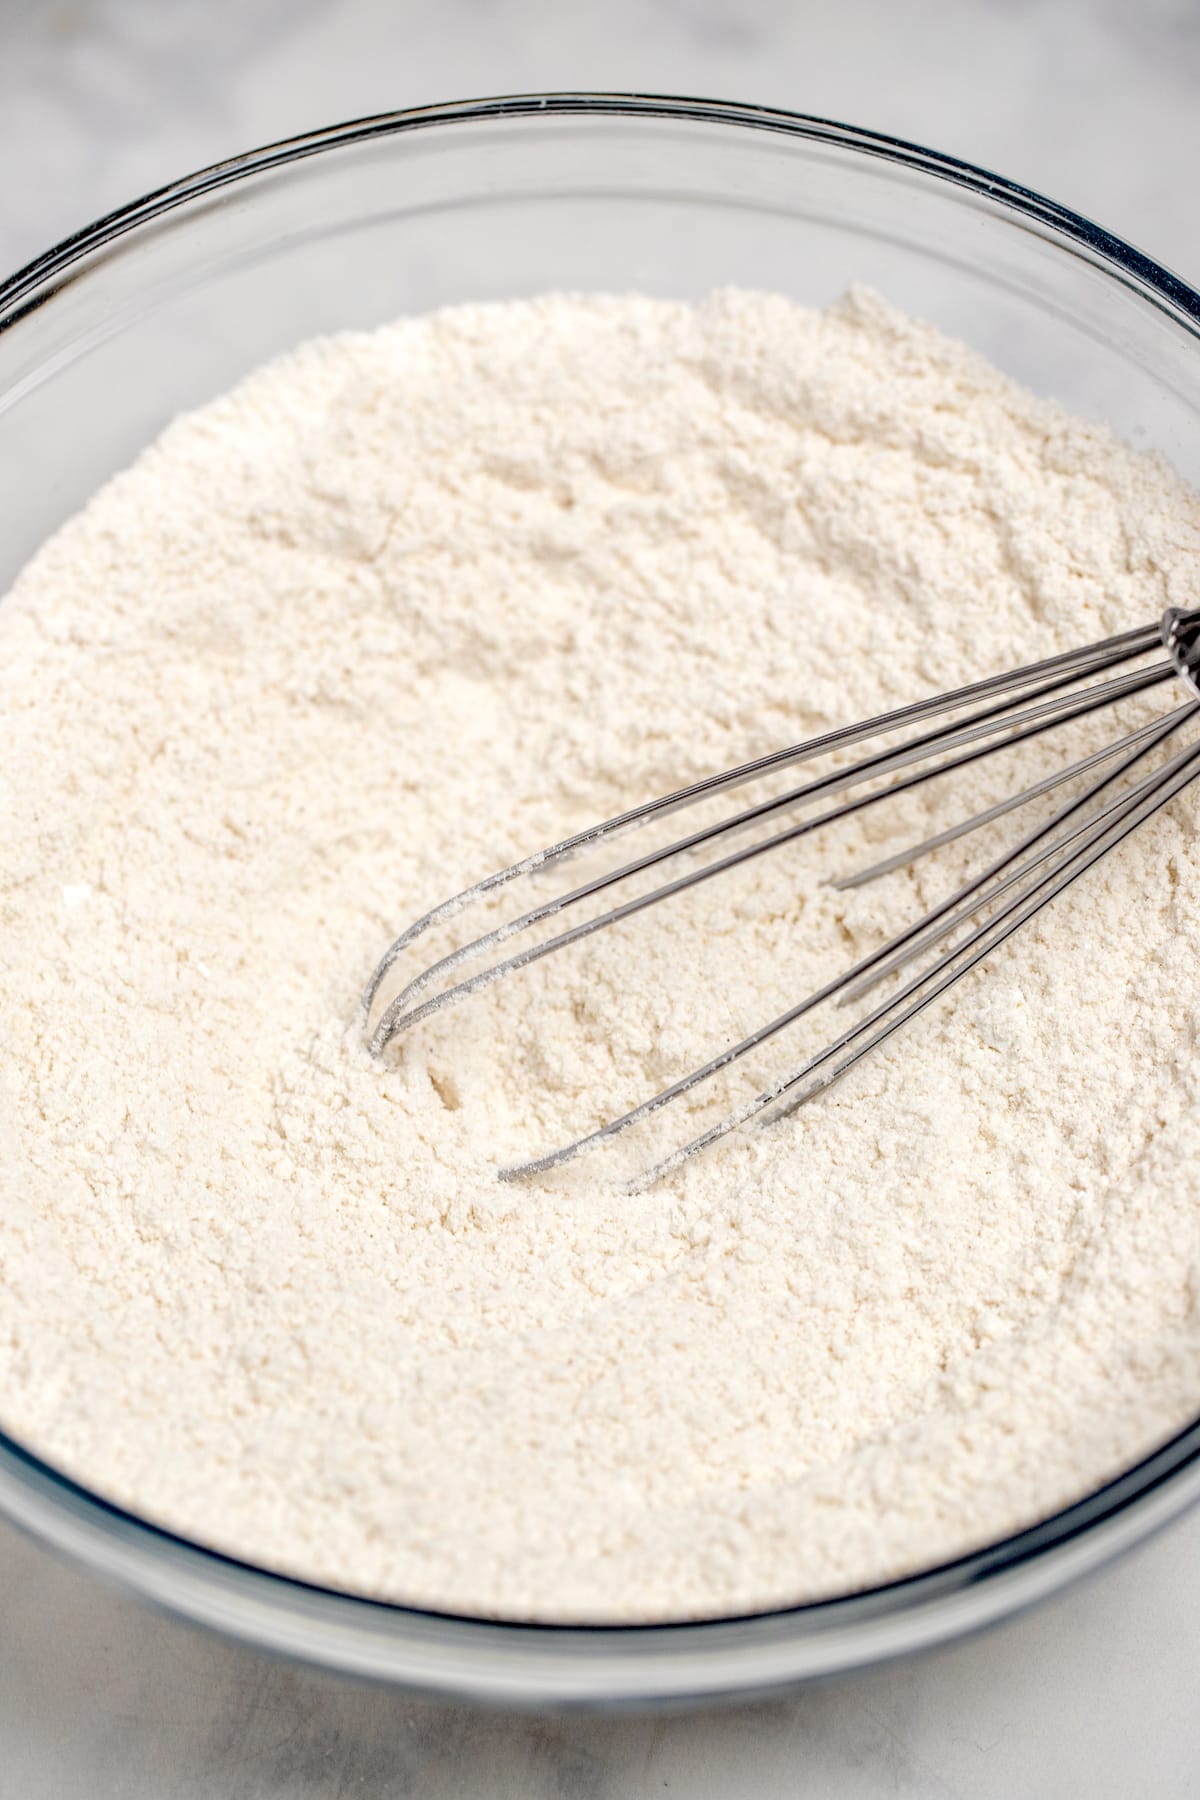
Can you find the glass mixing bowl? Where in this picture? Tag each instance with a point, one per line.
(170, 300)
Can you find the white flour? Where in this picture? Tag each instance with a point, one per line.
(409, 604)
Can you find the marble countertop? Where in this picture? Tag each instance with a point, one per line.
(1092, 101)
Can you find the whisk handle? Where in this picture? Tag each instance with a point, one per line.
(1181, 636)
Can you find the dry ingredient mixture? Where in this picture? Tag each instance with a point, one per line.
(404, 606)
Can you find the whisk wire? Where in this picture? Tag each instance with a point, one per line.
(902, 859)
(1071, 665)
(859, 1040)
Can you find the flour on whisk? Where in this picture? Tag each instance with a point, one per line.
(399, 609)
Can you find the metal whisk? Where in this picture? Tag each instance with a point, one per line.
(1126, 787)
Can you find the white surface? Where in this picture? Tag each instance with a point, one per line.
(1092, 101)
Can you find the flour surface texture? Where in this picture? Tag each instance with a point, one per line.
(401, 608)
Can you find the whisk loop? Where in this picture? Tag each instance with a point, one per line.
(997, 713)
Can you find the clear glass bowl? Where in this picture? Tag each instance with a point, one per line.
(169, 301)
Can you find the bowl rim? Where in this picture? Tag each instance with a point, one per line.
(1144, 271)
(625, 1664)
